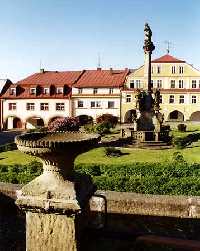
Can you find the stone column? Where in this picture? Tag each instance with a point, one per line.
(55, 201)
(10, 123)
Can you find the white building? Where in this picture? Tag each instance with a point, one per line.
(38, 99)
(98, 92)
(42, 97)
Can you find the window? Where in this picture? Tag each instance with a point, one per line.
(128, 98)
(46, 90)
(173, 69)
(111, 91)
(60, 106)
(111, 104)
(158, 69)
(80, 103)
(13, 91)
(159, 83)
(59, 90)
(194, 99)
(151, 82)
(95, 90)
(137, 83)
(173, 83)
(33, 91)
(80, 90)
(194, 84)
(30, 106)
(12, 106)
(181, 69)
(95, 104)
(171, 99)
(180, 83)
(152, 69)
(181, 99)
(160, 99)
(132, 84)
(44, 106)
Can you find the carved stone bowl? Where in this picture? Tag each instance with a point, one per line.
(58, 184)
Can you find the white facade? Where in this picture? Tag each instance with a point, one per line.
(105, 100)
(27, 117)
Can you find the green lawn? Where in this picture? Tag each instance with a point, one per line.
(139, 155)
(15, 157)
(191, 154)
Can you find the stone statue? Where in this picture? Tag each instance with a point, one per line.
(148, 44)
(147, 34)
(157, 100)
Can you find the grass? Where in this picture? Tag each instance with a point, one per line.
(97, 155)
(15, 157)
(190, 154)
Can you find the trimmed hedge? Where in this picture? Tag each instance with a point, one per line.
(182, 142)
(20, 174)
(173, 178)
(8, 147)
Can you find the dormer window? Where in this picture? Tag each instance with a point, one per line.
(95, 90)
(12, 91)
(46, 90)
(59, 90)
(33, 91)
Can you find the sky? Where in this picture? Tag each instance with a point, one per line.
(70, 34)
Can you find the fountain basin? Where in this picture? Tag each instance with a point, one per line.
(58, 187)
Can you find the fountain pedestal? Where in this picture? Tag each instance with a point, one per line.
(55, 200)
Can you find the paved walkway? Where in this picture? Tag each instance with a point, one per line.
(8, 136)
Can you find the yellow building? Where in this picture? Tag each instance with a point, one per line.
(179, 83)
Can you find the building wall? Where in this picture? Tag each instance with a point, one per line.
(24, 115)
(95, 112)
(103, 96)
(189, 75)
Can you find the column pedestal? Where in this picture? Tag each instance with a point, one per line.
(51, 232)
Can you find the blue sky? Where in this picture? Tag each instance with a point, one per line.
(69, 34)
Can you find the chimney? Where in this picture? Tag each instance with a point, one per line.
(42, 70)
(98, 68)
(111, 70)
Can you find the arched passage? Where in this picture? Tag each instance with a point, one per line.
(195, 116)
(85, 119)
(13, 123)
(34, 122)
(128, 118)
(176, 116)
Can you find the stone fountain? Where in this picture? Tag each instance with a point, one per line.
(53, 200)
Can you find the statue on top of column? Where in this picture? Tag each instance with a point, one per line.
(148, 44)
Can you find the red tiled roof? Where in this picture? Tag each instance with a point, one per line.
(102, 78)
(66, 79)
(167, 59)
(45, 79)
(52, 78)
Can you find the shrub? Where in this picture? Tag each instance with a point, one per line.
(173, 178)
(85, 120)
(112, 152)
(165, 128)
(103, 128)
(182, 142)
(108, 118)
(8, 147)
(181, 127)
(64, 124)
